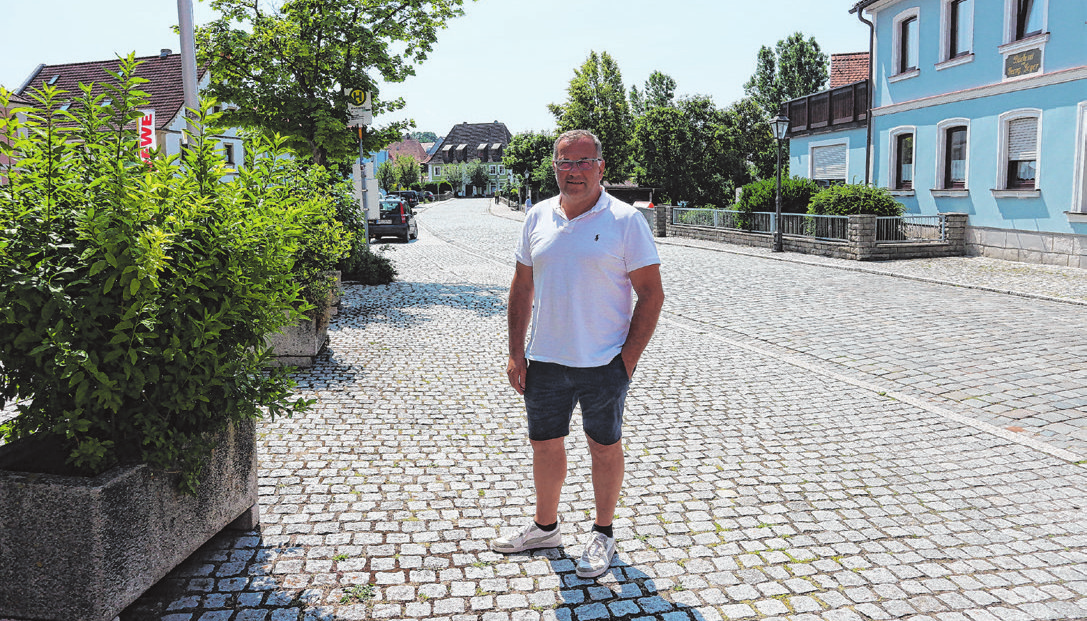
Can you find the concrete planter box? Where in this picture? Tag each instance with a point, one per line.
(297, 345)
(84, 548)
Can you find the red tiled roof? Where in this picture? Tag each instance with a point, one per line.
(409, 146)
(848, 68)
(164, 72)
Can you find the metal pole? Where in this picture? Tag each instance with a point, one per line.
(365, 199)
(777, 205)
(188, 56)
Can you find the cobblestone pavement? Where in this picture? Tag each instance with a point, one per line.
(804, 442)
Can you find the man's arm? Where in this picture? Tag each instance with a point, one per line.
(647, 284)
(518, 314)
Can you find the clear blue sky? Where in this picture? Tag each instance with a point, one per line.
(503, 60)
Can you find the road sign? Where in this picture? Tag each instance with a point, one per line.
(359, 111)
(360, 98)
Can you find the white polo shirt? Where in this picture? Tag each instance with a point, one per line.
(581, 268)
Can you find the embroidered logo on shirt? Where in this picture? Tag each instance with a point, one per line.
(597, 238)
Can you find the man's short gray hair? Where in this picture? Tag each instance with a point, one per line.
(577, 134)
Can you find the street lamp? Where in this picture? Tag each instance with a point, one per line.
(780, 126)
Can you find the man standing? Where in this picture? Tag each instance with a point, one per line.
(580, 258)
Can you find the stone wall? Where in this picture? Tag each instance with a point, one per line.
(1027, 246)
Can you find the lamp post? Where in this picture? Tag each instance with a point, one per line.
(780, 126)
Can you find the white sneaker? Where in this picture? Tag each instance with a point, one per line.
(597, 556)
(531, 538)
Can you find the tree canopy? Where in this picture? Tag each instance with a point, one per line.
(528, 155)
(659, 91)
(290, 70)
(597, 101)
(794, 68)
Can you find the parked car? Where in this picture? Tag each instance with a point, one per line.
(397, 219)
(429, 196)
(410, 196)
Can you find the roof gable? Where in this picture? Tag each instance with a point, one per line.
(163, 72)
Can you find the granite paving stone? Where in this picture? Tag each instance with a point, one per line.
(806, 439)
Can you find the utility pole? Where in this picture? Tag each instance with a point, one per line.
(188, 58)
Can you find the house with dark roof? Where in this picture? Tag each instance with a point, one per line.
(471, 142)
(164, 87)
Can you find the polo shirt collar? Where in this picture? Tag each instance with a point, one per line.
(601, 204)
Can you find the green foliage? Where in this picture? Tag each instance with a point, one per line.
(529, 156)
(688, 151)
(388, 176)
(290, 66)
(796, 193)
(754, 141)
(371, 268)
(424, 136)
(476, 173)
(597, 102)
(848, 200)
(135, 296)
(407, 172)
(660, 92)
(794, 68)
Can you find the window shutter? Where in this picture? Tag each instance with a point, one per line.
(1022, 139)
(828, 162)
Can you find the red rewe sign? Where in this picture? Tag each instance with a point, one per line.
(147, 133)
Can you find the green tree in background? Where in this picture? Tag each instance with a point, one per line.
(290, 70)
(407, 172)
(754, 140)
(597, 101)
(476, 174)
(529, 156)
(794, 68)
(387, 175)
(659, 91)
(424, 136)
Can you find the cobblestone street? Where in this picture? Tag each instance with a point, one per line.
(806, 439)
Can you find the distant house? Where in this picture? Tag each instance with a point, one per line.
(165, 89)
(975, 108)
(471, 142)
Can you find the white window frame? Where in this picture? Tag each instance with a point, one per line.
(832, 142)
(437, 171)
(492, 170)
(1001, 190)
(896, 39)
(892, 168)
(941, 153)
(1078, 210)
(945, 37)
(1010, 9)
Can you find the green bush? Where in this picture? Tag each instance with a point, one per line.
(136, 295)
(760, 195)
(848, 200)
(372, 268)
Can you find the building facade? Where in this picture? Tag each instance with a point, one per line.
(470, 142)
(977, 107)
(164, 87)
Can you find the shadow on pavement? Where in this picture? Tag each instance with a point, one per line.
(624, 592)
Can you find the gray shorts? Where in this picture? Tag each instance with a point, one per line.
(552, 390)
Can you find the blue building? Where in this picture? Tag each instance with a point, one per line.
(976, 107)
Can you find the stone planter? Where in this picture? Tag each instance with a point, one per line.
(297, 345)
(84, 548)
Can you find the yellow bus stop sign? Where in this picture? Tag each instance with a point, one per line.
(360, 97)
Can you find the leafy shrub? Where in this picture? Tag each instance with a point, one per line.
(136, 295)
(761, 195)
(372, 268)
(848, 200)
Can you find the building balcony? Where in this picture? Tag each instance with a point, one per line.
(845, 107)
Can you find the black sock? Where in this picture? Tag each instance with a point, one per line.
(548, 528)
(603, 529)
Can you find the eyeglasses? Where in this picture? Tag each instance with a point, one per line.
(585, 164)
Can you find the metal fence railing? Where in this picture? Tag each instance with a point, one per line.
(819, 227)
(723, 219)
(911, 228)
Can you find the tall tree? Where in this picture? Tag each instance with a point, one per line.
(387, 175)
(529, 155)
(597, 101)
(476, 172)
(753, 139)
(407, 172)
(659, 90)
(794, 68)
(291, 69)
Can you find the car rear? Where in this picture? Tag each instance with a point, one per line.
(394, 220)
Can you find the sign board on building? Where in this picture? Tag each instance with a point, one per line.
(146, 126)
(1023, 63)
